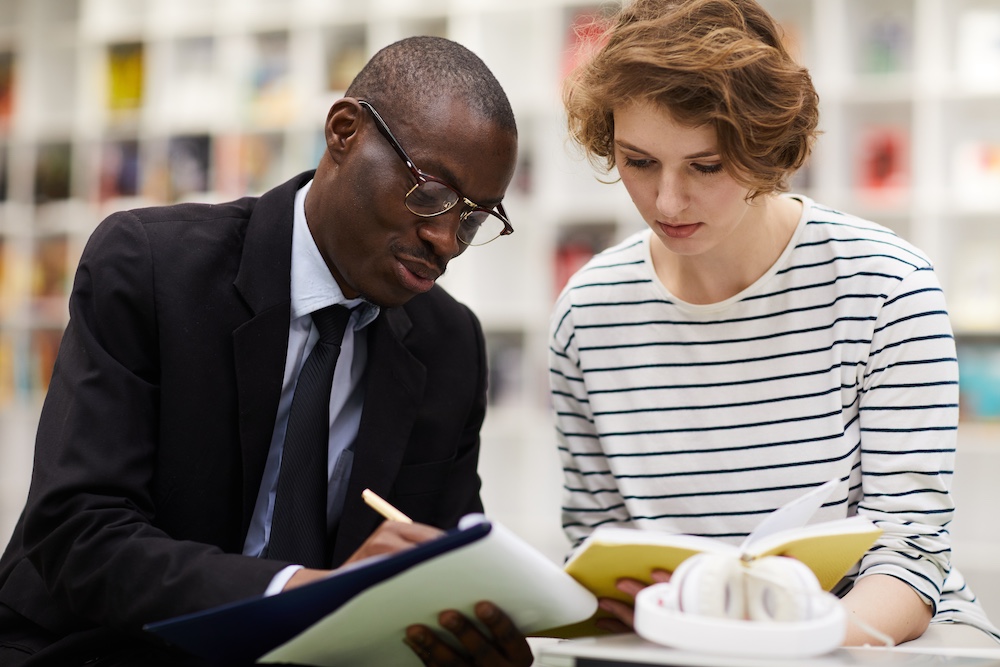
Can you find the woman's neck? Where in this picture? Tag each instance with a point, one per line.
(738, 261)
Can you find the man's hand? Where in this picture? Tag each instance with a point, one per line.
(390, 537)
(393, 536)
(505, 647)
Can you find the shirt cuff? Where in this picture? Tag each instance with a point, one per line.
(278, 583)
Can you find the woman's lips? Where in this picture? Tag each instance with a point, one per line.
(679, 231)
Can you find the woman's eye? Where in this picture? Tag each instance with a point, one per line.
(708, 168)
(637, 163)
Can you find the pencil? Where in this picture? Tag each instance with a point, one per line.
(384, 508)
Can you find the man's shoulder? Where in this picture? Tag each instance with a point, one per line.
(189, 211)
(239, 208)
(436, 302)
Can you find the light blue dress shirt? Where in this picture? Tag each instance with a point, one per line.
(314, 287)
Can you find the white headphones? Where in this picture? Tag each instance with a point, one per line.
(718, 603)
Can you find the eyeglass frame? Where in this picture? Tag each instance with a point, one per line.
(422, 177)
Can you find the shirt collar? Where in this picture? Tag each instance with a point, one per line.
(313, 286)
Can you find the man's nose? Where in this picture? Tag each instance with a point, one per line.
(441, 232)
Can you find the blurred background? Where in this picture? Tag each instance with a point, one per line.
(110, 104)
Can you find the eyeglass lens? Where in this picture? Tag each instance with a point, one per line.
(430, 198)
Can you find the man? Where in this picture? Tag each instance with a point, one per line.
(157, 487)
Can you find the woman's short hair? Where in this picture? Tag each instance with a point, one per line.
(715, 62)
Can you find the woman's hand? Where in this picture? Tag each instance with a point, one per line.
(624, 612)
(887, 604)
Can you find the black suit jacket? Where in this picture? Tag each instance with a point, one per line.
(157, 422)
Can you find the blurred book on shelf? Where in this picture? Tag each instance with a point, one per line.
(50, 274)
(7, 385)
(505, 352)
(260, 161)
(886, 45)
(15, 278)
(883, 159)
(7, 79)
(576, 244)
(44, 348)
(53, 167)
(976, 173)
(345, 56)
(270, 85)
(979, 377)
(118, 175)
(193, 85)
(248, 163)
(126, 64)
(189, 166)
(4, 182)
(525, 171)
(7, 297)
(345, 66)
(977, 41)
(974, 287)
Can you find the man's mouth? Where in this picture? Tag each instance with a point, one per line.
(415, 275)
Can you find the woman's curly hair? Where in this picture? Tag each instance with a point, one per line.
(715, 62)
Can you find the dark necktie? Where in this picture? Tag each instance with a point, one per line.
(298, 527)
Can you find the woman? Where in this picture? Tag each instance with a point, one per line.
(751, 344)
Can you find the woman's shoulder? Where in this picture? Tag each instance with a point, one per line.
(610, 275)
(850, 237)
(617, 264)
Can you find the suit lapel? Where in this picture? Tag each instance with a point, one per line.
(395, 385)
(260, 344)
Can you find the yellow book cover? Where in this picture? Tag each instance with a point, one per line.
(610, 553)
(125, 68)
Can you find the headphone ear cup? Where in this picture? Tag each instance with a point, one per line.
(781, 589)
(710, 585)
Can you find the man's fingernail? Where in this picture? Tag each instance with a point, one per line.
(419, 636)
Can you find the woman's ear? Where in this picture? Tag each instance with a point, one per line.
(342, 124)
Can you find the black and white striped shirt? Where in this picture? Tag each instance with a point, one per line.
(838, 362)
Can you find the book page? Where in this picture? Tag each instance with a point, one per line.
(791, 515)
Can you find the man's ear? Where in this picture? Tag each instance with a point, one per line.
(343, 122)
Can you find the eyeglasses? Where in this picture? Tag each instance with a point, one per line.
(431, 196)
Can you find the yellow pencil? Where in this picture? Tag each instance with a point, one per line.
(384, 508)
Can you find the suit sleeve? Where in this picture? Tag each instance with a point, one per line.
(89, 523)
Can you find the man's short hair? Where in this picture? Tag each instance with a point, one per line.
(419, 70)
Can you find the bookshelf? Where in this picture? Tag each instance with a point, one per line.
(107, 104)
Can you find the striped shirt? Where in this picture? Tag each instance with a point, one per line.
(839, 362)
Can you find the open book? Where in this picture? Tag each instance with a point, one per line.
(358, 615)
(830, 549)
